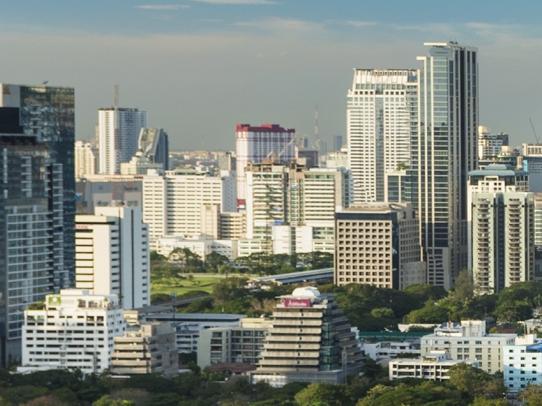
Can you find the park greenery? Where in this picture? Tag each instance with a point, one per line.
(376, 309)
(467, 386)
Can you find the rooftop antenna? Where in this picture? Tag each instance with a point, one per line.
(116, 96)
(316, 128)
(534, 131)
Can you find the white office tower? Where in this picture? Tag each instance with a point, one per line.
(74, 330)
(378, 244)
(256, 144)
(380, 118)
(290, 202)
(501, 228)
(118, 133)
(469, 341)
(443, 152)
(112, 254)
(173, 202)
(310, 341)
(490, 144)
(86, 159)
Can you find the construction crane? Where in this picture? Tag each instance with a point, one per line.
(534, 131)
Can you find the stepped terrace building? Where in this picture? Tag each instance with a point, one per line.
(310, 341)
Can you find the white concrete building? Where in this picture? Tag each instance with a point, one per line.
(256, 144)
(118, 133)
(86, 159)
(293, 196)
(380, 118)
(112, 254)
(434, 366)
(384, 351)
(74, 330)
(200, 247)
(172, 203)
(469, 342)
(522, 363)
(501, 228)
(378, 244)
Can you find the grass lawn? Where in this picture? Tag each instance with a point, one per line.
(182, 286)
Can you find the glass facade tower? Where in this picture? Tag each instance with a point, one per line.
(444, 150)
(48, 114)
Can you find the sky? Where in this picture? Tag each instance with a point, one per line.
(198, 67)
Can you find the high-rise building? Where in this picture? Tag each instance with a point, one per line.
(85, 159)
(310, 341)
(337, 142)
(154, 145)
(492, 215)
(48, 113)
(443, 151)
(294, 196)
(490, 144)
(172, 203)
(118, 132)
(378, 244)
(31, 203)
(381, 116)
(256, 144)
(112, 255)
(72, 330)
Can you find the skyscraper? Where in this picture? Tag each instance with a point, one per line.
(381, 116)
(85, 159)
(118, 132)
(154, 144)
(255, 144)
(47, 113)
(30, 210)
(443, 151)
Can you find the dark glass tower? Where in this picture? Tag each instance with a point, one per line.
(47, 113)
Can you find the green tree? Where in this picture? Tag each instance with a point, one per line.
(430, 313)
(321, 394)
(474, 382)
(531, 395)
(107, 400)
(424, 393)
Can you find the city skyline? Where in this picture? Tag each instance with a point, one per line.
(164, 54)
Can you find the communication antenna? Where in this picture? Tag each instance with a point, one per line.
(534, 131)
(116, 96)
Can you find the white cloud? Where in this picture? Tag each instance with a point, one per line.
(237, 2)
(281, 24)
(360, 24)
(162, 7)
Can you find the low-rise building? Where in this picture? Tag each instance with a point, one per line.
(145, 349)
(522, 363)
(310, 341)
(241, 344)
(384, 351)
(468, 341)
(73, 330)
(434, 366)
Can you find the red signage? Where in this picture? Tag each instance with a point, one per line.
(292, 302)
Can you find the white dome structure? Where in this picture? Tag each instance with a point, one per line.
(309, 292)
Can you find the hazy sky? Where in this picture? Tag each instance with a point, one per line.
(200, 66)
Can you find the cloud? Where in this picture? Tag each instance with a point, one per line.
(162, 7)
(237, 2)
(281, 24)
(360, 24)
